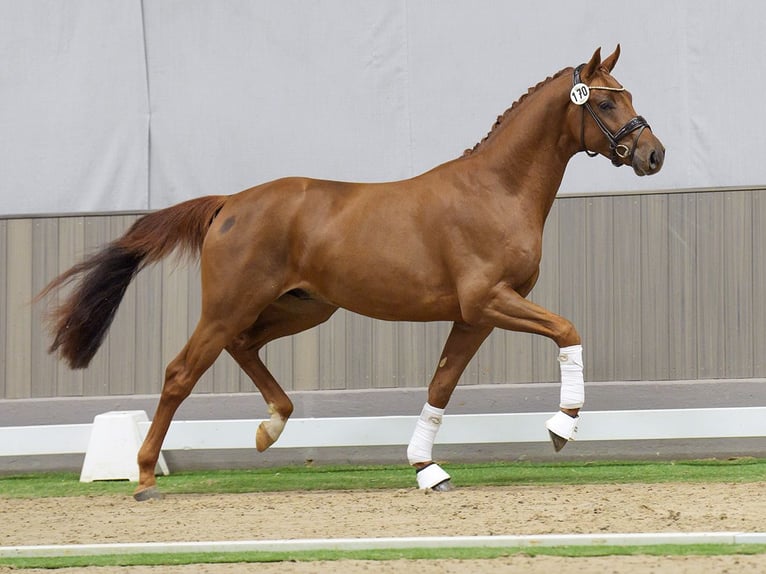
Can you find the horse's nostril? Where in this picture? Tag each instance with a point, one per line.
(653, 159)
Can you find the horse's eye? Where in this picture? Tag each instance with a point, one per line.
(606, 105)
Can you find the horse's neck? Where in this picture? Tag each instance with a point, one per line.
(530, 151)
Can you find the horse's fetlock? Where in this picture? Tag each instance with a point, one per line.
(286, 409)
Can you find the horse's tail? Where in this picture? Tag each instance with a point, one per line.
(79, 324)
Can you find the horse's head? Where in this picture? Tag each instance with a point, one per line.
(608, 124)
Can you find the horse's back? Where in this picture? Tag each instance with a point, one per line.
(371, 248)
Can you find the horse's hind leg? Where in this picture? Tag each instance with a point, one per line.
(286, 316)
(280, 405)
(461, 345)
(182, 373)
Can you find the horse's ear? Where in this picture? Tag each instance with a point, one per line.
(609, 63)
(592, 65)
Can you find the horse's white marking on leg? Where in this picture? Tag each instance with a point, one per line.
(443, 362)
(269, 431)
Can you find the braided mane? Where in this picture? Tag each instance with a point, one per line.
(513, 107)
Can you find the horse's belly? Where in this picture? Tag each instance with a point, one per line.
(396, 302)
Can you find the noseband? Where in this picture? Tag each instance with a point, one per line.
(580, 95)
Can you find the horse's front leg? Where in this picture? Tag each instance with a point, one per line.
(461, 345)
(507, 309)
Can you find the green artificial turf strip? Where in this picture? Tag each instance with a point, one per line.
(373, 477)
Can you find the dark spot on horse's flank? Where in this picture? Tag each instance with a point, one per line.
(228, 224)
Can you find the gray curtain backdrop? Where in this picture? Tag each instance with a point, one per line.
(116, 105)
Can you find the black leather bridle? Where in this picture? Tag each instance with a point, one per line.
(619, 151)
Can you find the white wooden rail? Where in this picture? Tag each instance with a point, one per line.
(735, 422)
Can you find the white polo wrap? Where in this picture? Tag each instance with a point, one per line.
(422, 441)
(572, 383)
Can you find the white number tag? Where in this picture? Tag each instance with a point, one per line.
(579, 94)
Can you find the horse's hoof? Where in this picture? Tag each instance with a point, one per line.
(558, 442)
(561, 429)
(151, 493)
(263, 439)
(432, 477)
(445, 486)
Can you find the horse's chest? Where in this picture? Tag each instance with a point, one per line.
(521, 261)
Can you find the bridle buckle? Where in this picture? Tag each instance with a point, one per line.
(622, 151)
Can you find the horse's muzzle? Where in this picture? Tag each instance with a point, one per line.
(649, 157)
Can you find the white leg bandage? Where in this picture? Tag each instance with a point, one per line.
(422, 441)
(572, 384)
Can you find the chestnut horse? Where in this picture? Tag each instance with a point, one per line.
(459, 243)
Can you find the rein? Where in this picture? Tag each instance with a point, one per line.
(580, 95)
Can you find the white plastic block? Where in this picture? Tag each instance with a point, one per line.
(113, 447)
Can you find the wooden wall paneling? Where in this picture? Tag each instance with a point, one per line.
(655, 287)
(682, 298)
(385, 370)
(573, 283)
(684, 272)
(359, 340)
(278, 358)
(600, 281)
(18, 319)
(759, 283)
(3, 304)
(306, 360)
(711, 301)
(626, 246)
(415, 367)
(44, 268)
(227, 376)
(737, 267)
(491, 359)
(332, 352)
(545, 367)
(519, 367)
